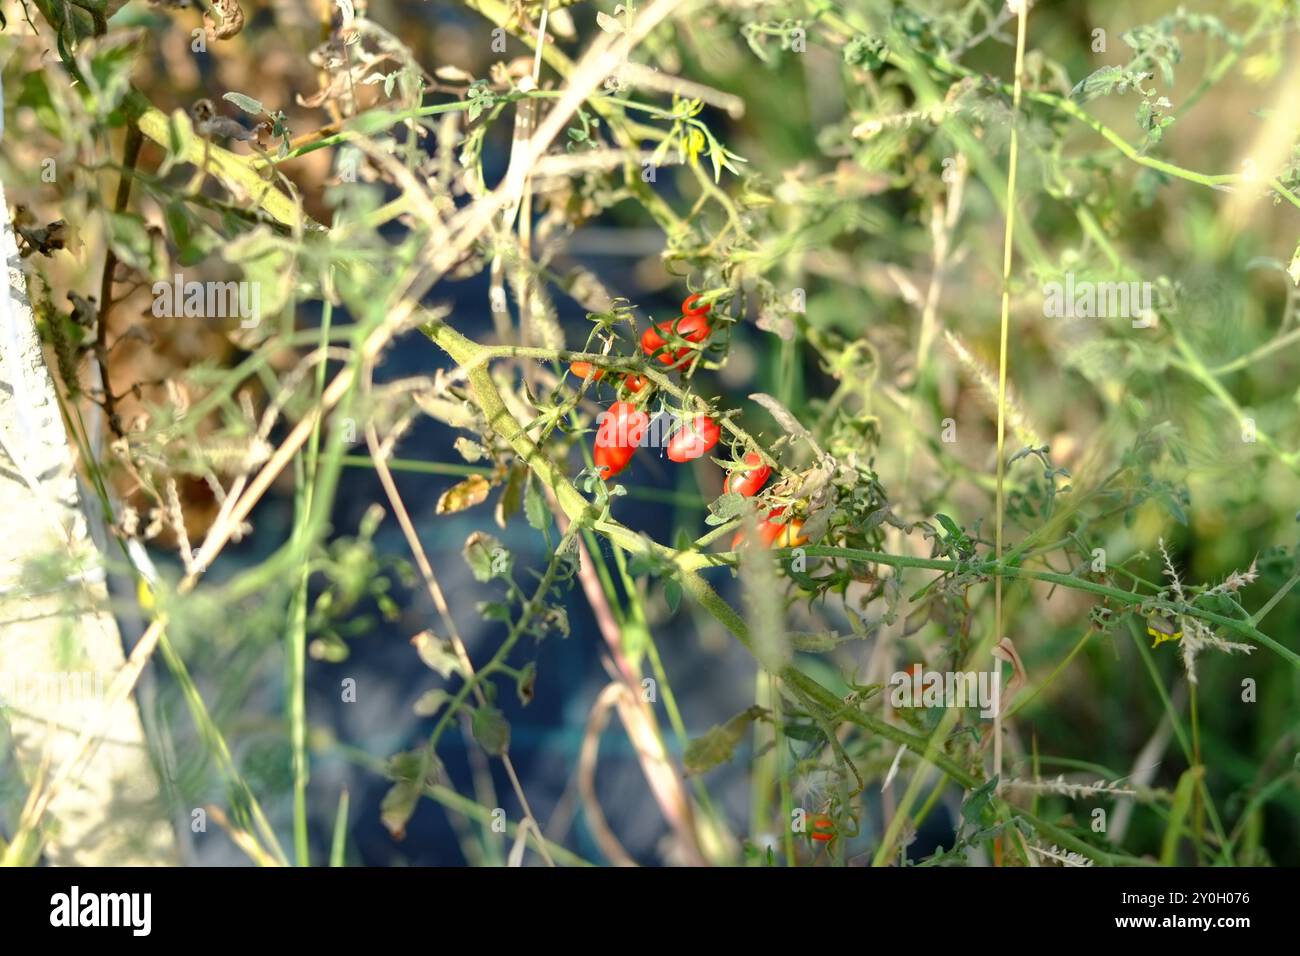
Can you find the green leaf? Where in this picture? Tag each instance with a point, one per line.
(491, 730)
(480, 550)
(526, 683)
(245, 103)
(134, 244)
(494, 611)
(1105, 81)
(34, 93)
(806, 732)
(535, 509)
(818, 642)
(718, 744)
(672, 594)
(1173, 507)
(1098, 83)
(411, 774)
(193, 239)
(106, 63)
(398, 805)
(975, 806)
(724, 509)
(512, 494)
(953, 529)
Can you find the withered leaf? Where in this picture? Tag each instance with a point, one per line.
(466, 494)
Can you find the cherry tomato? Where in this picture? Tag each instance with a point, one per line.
(688, 306)
(790, 535)
(620, 432)
(774, 533)
(635, 383)
(768, 530)
(693, 439)
(693, 328)
(748, 483)
(823, 828)
(610, 461)
(583, 369)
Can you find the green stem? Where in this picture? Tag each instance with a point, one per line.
(338, 845)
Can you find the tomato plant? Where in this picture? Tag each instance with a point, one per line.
(975, 322)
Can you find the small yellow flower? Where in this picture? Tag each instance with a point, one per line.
(1162, 630)
(695, 143)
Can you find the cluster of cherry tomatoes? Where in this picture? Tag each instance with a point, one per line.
(624, 425)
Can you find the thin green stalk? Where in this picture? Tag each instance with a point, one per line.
(338, 846)
(370, 123)
(1227, 61)
(1180, 732)
(1056, 672)
(1192, 365)
(931, 801)
(1008, 253)
(764, 768)
(217, 746)
(1265, 350)
(783, 779)
(295, 674)
(305, 472)
(419, 467)
(1198, 808)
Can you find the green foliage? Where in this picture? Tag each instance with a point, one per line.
(831, 181)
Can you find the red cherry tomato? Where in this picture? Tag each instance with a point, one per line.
(768, 530)
(782, 534)
(635, 383)
(748, 483)
(583, 369)
(617, 437)
(693, 328)
(823, 828)
(693, 439)
(688, 306)
(609, 461)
